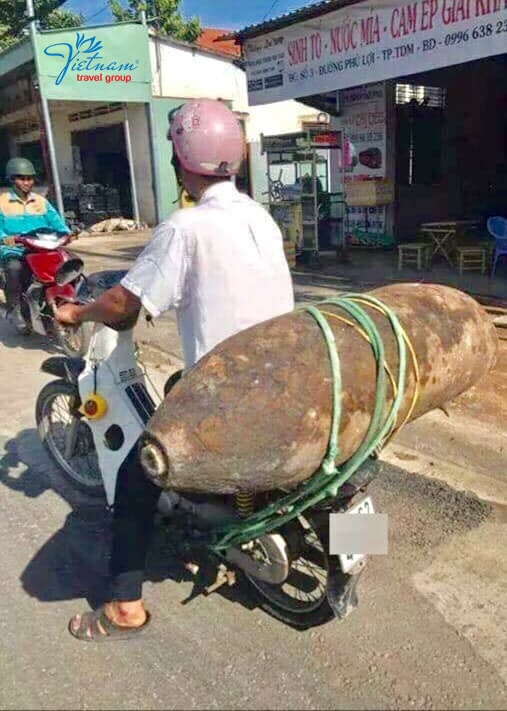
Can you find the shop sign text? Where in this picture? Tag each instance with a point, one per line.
(369, 42)
(76, 58)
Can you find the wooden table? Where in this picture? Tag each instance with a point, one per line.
(444, 234)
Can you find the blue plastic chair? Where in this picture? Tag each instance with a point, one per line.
(497, 228)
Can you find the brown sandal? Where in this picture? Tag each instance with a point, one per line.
(95, 626)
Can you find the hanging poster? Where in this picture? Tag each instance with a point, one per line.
(364, 123)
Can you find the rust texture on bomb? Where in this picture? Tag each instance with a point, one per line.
(254, 414)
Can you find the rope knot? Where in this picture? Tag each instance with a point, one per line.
(328, 466)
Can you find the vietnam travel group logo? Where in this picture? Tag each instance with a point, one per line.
(76, 58)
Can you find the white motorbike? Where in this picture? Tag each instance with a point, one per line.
(91, 416)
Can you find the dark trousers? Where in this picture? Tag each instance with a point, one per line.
(17, 278)
(133, 523)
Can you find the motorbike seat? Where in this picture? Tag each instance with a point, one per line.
(98, 282)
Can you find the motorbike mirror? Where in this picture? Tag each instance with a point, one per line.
(69, 271)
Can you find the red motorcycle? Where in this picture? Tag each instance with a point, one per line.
(56, 276)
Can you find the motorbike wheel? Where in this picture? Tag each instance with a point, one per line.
(73, 341)
(301, 601)
(67, 436)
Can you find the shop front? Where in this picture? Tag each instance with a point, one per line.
(78, 103)
(417, 88)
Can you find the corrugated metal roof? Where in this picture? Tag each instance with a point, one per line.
(289, 18)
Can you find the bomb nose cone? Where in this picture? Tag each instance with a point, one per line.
(154, 462)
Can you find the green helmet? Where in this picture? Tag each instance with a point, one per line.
(19, 166)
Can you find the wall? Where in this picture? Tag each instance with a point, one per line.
(63, 147)
(140, 139)
(179, 70)
(475, 160)
(168, 191)
(473, 182)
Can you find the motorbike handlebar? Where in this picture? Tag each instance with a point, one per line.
(126, 325)
(96, 284)
(42, 242)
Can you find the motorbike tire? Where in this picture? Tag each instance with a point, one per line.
(91, 483)
(74, 342)
(302, 620)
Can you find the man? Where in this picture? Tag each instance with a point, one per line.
(21, 211)
(221, 265)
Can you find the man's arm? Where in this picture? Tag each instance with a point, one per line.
(155, 281)
(6, 239)
(113, 306)
(158, 276)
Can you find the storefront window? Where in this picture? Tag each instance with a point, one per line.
(432, 96)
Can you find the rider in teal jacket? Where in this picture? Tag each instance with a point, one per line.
(21, 211)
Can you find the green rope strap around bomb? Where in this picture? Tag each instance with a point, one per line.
(328, 479)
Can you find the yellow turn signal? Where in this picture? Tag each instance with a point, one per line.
(94, 407)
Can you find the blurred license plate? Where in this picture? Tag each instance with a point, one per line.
(349, 560)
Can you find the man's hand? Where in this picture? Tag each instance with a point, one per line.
(69, 314)
(115, 306)
(10, 241)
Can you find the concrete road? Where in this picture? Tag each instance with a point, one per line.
(429, 632)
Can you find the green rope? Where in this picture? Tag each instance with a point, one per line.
(328, 479)
(332, 451)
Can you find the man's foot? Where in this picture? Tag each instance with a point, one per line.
(126, 614)
(114, 620)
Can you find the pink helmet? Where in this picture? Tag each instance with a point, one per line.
(207, 138)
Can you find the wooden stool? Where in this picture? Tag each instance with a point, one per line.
(416, 254)
(471, 259)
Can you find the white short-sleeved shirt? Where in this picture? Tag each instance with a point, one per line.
(220, 264)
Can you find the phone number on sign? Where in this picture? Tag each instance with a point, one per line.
(476, 33)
